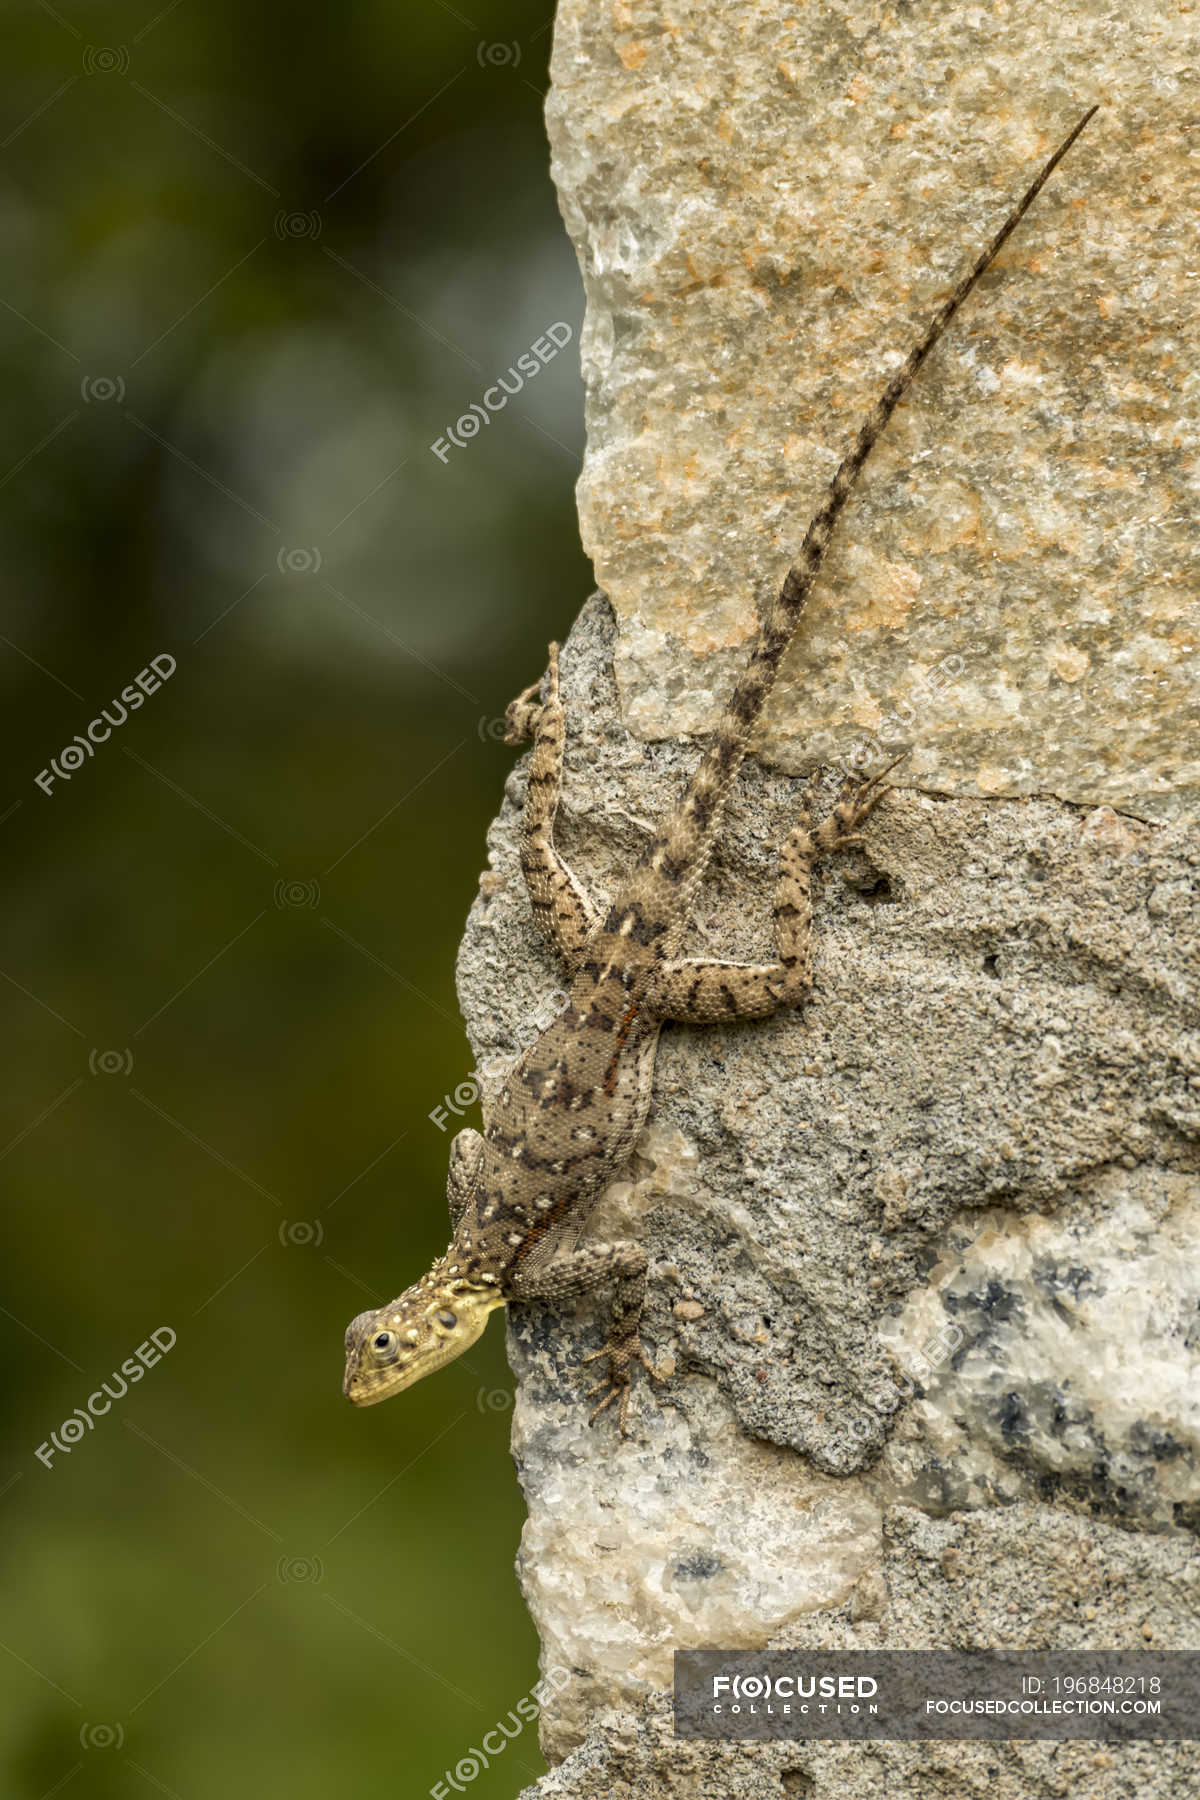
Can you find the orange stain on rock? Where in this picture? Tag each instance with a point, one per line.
(893, 594)
(1069, 662)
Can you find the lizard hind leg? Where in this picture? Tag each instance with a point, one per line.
(856, 802)
(697, 990)
(564, 911)
(700, 991)
(521, 715)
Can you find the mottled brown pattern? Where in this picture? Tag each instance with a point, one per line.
(567, 1119)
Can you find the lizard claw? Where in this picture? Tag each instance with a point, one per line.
(521, 714)
(610, 1390)
(616, 1382)
(856, 803)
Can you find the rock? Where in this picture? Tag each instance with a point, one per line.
(767, 204)
(1001, 1593)
(923, 1256)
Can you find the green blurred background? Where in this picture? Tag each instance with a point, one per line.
(254, 264)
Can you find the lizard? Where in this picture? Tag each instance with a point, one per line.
(571, 1109)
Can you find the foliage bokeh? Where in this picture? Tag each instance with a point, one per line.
(254, 264)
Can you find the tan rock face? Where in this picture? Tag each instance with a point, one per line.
(768, 201)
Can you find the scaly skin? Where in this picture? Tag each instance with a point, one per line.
(570, 1112)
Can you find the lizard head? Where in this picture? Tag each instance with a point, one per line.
(428, 1326)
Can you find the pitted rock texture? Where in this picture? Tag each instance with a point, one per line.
(768, 201)
(929, 1242)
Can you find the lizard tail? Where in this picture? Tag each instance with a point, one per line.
(679, 848)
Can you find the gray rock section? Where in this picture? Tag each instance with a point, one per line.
(925, 1251)
(925, 1285)
(768, 201)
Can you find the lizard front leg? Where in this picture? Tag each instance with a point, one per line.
(623, 1264)
(465, 1152)
(700, 991)
(561, 905)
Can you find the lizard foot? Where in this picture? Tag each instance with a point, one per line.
(522, 714)
(856, 802)
(615, 1385)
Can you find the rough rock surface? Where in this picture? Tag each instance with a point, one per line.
(924, 1258)
(924, 1265)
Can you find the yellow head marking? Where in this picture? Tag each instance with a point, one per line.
(429, 1325)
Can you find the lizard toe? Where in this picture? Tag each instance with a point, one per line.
(610, 1390)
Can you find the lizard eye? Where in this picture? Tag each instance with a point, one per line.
(384, 1345)
(448, 1319)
